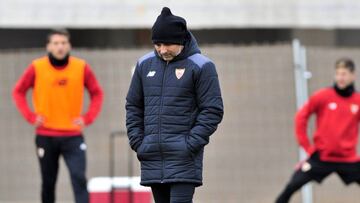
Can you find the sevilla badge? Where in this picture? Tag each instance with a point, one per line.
(354, 108)
(179, 72)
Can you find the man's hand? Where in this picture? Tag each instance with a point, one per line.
(39, 121)
(310, 150)
(79, 122)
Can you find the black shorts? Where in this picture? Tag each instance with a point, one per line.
(318, 170)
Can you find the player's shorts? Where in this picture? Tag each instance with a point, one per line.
(318, 170)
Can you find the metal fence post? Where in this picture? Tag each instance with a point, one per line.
(301, 77)
(112, 161)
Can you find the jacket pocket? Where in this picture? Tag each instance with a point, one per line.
(139, 151)
(187, 148)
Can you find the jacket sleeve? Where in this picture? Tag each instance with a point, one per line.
(25, 82)
(96, 96)
(135, 111)
(301, 123)
(210, 106)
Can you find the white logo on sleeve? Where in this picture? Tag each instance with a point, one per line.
(354, 108)
(151, 74)
(332, 106)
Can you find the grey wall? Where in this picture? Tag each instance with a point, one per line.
(249, 158)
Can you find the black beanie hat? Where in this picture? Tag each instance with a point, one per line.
(169, 28)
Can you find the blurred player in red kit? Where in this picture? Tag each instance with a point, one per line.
(335, 139)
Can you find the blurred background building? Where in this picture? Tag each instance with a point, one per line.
(253, 153)
(126, 23)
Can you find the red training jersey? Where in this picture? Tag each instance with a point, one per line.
(337, 124)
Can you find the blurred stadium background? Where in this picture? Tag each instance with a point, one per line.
(252, 154)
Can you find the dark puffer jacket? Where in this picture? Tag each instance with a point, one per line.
(171, 111)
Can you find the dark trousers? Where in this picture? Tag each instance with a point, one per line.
(298, 180)
(173, 193)
(317, 170)
(49, 150)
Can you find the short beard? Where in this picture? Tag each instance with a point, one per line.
(171, 55)
(168, 57)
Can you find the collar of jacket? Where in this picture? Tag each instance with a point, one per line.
(58, 63)
(346, 92)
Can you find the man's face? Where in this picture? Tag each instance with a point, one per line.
(59, 46)
(343, 77)
(168, 51)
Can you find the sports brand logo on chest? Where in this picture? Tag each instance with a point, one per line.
(332, 106)
(61, 82)
(151, 74)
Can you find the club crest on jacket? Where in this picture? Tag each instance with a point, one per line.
(179, 72)
(354, 108)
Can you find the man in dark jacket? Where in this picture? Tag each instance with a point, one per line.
(173, 106)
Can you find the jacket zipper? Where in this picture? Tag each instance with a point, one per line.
(160, 123)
